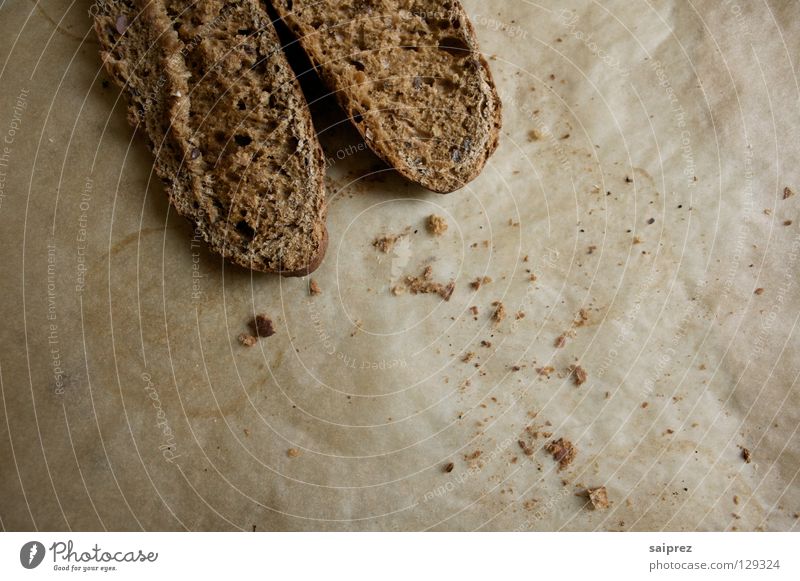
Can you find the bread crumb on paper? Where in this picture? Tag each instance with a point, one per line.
(293, 453)
(262, 326)
(247, 340)
(424, 284)
(480, 281)
(787, 192)
(759, 291)
(499, 312)
(313, 287)
(436, 225)
(579, 375)
(598, 497)
(563, 452)
(746, 455)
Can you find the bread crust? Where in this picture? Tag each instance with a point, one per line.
(225, 118)
(410, 76)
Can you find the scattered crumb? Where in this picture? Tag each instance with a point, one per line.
(579, 375)
(787, 192)
(735, 499)
(545, 370)
(591, 249)
(293, 452)
(424, 284)
(583, 316)
(560, 341)
(759, 291)
(313, 287)
(262, 326)
(530, 504)
(468, 357)
(768, 211)
(436, 225)
(499, 312)
(473, 456)
(637, 240)
(474, 310)
(486, 343)
(356, 328)
(787, 222)
(515, 368)
(480, 281)
(562, 451)
(527, 449)
(386, 243)
(645, 404)
(398, 290)
(532, 278)
(534, 135)
(519, 315)
(746, 456)
(449, 467)
(246, 432)
(598, 497)
(247, 339)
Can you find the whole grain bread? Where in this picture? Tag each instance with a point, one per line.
(228, 125)
(410, 76)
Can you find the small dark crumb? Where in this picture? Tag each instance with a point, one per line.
(474, 310)
(735, 499)
(293, 452)
(499, 312)
(515, 368)
(545, 370)
(468, 356)
(759, 291)
(486, 343)
(787, 222)
(474, 456)
(519, 315)
(480, 281)
(526, 448)
(645, 404)
(313, 287)
(598, 497)
(246, 432)
(563, 452)
(560, 341)
(262, 326)
(787, 193)
(449, 467)
(628, 180)
(591, 249)
(247, 340)
(579, 375)
(746, 456)
(651, 221)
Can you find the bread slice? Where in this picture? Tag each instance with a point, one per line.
(411, 78)
(227, 123)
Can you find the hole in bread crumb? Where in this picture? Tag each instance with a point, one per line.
(245, 229)
(240, 105)
(455, 46)
(242, 140)
(245, 31)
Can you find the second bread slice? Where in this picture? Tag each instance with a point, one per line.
(411, 78)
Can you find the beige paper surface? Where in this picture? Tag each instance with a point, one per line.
(642, 166)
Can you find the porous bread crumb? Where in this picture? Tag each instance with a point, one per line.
(293, 452)
(746, 455)
(579, 375)
(598, 497)
(480, 281)
(436, 225)
(563, 452)
(313, 287)
(247, 340)
(527, 449)
(262, 326)
(499, 312)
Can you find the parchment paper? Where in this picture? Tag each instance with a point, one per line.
(641, 176)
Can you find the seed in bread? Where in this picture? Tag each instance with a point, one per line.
(410, 76)
(227, 123)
